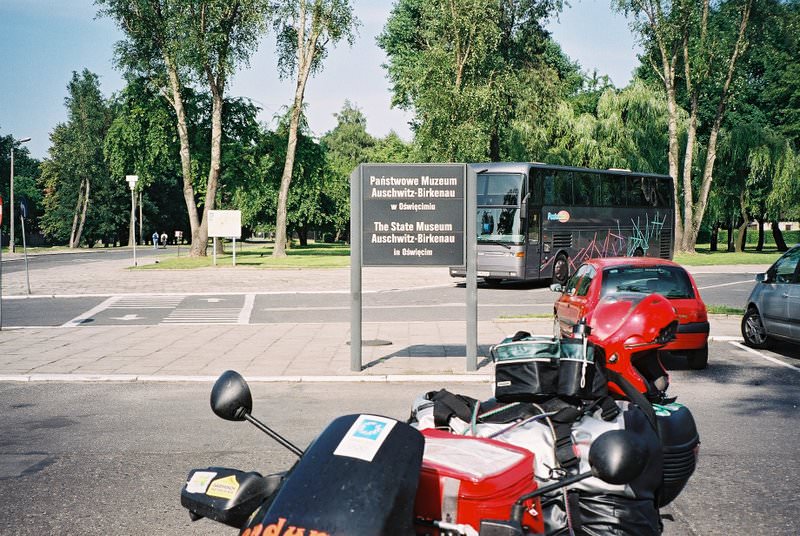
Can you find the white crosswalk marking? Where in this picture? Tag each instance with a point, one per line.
(216, 315)
(146, 302)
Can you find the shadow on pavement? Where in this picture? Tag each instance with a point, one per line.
(433, 351)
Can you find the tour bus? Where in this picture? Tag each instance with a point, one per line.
(537, 221)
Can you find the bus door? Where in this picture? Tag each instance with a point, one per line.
(533, 242)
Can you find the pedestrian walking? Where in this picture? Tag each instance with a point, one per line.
(155, 239)
(164, 240)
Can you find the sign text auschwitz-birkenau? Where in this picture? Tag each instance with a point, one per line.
(413, 214)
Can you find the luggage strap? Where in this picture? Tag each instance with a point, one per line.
(608, 406)
(447, 405)
(562, 426)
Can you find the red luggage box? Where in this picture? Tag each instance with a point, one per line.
(466, 479)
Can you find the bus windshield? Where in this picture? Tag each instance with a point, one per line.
(498, 208)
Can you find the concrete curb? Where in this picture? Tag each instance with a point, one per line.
(143, 378)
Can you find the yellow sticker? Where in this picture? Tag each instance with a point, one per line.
(224, 488)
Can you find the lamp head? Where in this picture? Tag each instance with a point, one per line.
(132, 180)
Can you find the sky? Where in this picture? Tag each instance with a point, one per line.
(43, 41)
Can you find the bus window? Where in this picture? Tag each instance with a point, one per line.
(549, 188)
(562, 188)
(612, 191)
(650, 191)
(586, 189)
(558, 188)
(635, 194)
(664, 191)
(499, 189)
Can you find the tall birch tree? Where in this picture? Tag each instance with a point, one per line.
(696, 45)
(176, 43)
(305, 29)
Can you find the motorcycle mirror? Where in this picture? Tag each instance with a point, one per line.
(230, 397)
(617, 457)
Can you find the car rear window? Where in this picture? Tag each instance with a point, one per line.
(669, 281)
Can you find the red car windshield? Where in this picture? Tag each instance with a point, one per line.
(669, 281)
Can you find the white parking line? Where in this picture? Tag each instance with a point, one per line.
(727, 284)
(768, 358)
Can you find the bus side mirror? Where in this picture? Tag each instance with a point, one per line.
(523, 207)
(557, 287)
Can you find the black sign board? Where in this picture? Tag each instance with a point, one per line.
(413, 214)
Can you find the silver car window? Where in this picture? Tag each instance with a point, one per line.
(786, 267)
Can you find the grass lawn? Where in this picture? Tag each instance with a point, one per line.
(322, 255)
(705, 257)
(260, 256)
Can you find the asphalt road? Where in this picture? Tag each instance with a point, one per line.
(39, 262)
(443, 303)
(102, 458)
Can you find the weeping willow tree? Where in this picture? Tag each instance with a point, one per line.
(758, 182)
(626, 129)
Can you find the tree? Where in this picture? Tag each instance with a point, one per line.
(75, 171)
(705, 42)
(618, 128)
(346, 146)
(467, 69)
(305, 28)
(26, 175)
(176, 42)
(309, 206)
(141, 139)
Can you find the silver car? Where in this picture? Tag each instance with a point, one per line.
(773, 308)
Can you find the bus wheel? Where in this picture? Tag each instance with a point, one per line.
(561, 269)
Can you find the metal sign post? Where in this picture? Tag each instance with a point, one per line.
(23, 212)
(132, 180)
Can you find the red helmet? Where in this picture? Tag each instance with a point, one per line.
(631, 327)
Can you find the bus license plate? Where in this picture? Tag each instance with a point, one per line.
(482, 274)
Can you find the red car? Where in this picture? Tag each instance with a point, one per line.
(597, 278)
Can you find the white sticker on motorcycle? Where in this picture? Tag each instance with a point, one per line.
(200, 481)
(365, 437)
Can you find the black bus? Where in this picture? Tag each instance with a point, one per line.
(537, 221)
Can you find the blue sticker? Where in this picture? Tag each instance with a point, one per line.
(370, 429)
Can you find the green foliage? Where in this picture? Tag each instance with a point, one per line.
(309, 204)
(468, 69)
(75, 176)
(326, 21)
(26, 174)
(625, 129)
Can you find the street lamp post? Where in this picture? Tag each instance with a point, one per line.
(23, 140)
(132, 180)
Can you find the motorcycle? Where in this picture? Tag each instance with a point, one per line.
(361, 476)
(374, 475)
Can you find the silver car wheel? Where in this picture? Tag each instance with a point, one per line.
(753, 329)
